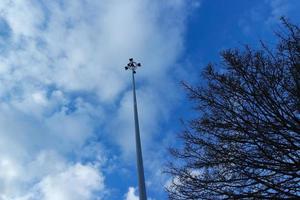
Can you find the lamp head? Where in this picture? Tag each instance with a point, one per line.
(132, 65)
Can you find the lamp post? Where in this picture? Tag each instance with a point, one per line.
(139, 157)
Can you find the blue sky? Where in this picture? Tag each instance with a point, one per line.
(66, 116)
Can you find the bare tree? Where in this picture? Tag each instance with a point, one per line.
(245, 144)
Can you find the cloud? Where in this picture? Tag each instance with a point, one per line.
(75, 51)
(62, 85)
(154, 106)
(266, 15)
(76, 182)
(130, 195)
(51, 176)
(281, 8)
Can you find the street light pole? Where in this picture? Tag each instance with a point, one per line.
(139, 157)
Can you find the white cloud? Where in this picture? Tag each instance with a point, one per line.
(280, 8)
(153, 108)
(266, 15)
(88, 54)
(22, 16)
(61, 69)
(130, 195)
(78, 182)
(57, 179)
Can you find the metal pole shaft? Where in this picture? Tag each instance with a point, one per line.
(139, 156)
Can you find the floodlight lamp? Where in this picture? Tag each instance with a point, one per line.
(139, 64)
(126, 68)
(131, 59)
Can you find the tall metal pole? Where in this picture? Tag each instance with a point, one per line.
(139, 157)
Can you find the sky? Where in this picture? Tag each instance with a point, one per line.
(66, 113)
